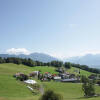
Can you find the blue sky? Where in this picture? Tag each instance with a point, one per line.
(61, 28)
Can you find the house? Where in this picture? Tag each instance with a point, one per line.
(20, 76)
(64, 75)
(57, 78)
(93, 76)
(60, 70)
(34, 73)
(72, 76)
(74, 80)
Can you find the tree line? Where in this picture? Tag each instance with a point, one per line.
(31, 63)
(86, 68)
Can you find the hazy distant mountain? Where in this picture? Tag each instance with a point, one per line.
(35, 56)
(89, 59)
(42, 57)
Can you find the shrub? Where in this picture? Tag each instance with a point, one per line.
(51, 95)
(22, 77)
(36, 86)
(98, 82)
(88, 88)
(84, 79)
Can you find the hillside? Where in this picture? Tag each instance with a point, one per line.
(76, 70)
(10, 89)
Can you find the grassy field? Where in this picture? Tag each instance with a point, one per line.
(82, 72)
(70, 91)
(10, 89)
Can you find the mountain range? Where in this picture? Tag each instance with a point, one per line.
(92, 60)
(34, 56)
(89, 59)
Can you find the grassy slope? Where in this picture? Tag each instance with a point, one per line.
(10, 89)
(70, 91)
(82, 72)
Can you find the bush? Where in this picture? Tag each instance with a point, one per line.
(36, 86)
(88, 88)
(84, 79)
(51, 95)
(22, 77)
(98, 82)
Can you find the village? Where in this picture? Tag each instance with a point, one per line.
(63, 76)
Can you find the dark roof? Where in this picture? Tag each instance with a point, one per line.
(69, 80)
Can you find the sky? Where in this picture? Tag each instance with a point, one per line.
(61, 28)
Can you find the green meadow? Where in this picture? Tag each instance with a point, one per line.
(82, 72)
(11, 89)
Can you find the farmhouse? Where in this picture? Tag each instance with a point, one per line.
(20, 76)
(34, 73)
(70, 80)
(57, 78)
(64, 75)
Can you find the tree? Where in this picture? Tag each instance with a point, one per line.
(98, 82)
(67, 65)
(2, 60)
(84, 79)
(51, 95)
(56, 63)
(17, 61)
(88, 88)
(30, 62)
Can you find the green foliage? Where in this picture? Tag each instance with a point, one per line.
(31, 63)
(85, 67)
(57, 63)
(98, 82)
(2, 60)
(84, 79)
(88, 87)
(75, 71)
(10, 89)
(36, 86)
(67, 65)
(51, 95)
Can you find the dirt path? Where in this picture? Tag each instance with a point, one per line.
(41, 89)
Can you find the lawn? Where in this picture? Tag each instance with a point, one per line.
(69, 91)
(76, 70)
(13, 68)
(11, 89)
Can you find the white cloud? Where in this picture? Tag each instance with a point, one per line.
(73, 54)
(91, 52)
(18, 51)
(58, 55)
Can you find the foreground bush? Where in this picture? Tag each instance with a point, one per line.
(51, 95)
(98, 82)
(88, 87)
